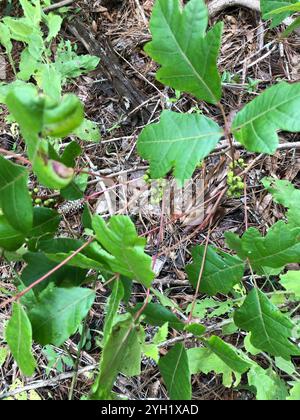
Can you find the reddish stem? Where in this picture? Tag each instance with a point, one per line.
(41, 279)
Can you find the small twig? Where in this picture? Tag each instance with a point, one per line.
(15, 156)
(47, 383)
(58, 5)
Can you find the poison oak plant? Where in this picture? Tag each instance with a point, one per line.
(277, 11)
(55, 292)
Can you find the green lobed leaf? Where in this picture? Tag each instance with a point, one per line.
(70, 65)
(45, 223)
(14, 196)
(38, 265)
(270, 329)
(179, 142)
(120, 239)
(291, 282)
(279, 247)
(187, 54)
(203, 360)
(221, 272)
(283, 192)
(228, 354)
(257, 124)
(174, 368)
(58, 313)
(267, 384)
(18, 335)
(157, 315)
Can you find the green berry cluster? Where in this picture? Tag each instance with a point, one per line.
(147, 177)
(157, 187)
(235, 182)
(40, 202)
(157, 191)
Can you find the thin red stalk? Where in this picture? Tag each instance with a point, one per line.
(41, 279)
(15, 156)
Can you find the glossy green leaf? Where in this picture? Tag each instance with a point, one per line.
(257, 124)
(228, 354)
(18, 335)
(291, 282)
(45, 223)
(10, 239)
(58, 313)
(279, 247)
(63, 118)
(221, 272)
(113, 356)
(186, 52)
(158, 315)
(38, 265)
(120, 239)
(14, 196)
(179, 142)
(203, 360)
(270, 329)
(174, 368)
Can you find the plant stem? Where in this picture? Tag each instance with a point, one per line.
(227, 133)
(41, 279)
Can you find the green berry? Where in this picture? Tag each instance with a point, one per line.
(241, 161)
(36, 190)
(240, 185)
(38, 201)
